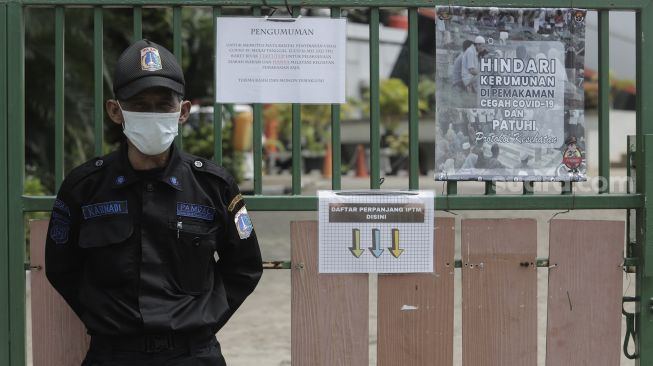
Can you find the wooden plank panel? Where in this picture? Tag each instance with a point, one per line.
(329, 312)
(499, 279)
(415, 311)
(58, 336)
(585, 290)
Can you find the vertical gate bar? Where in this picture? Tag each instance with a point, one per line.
(257, 132)
(217, 107)
(336, 147)
(98, 75)
(138, 23)
(375, 109)
(604, 101)
(59, 81)
(566, 187)
(176, 31)
(258, 149)
(296, 138)
(413, 97)
(4, 209)
(59, 90)
(16, 165)
(296, 150)
(490, 188)
(176, 36)
(644, 127)
(452, 187)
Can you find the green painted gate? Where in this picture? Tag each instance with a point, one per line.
(14, 204)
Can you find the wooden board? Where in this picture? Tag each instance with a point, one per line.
(415, 311)
(329, 312)
(499, 279)
(585, 290)
(58, 336)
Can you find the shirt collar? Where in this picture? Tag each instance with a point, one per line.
(124, 175)
(173, 173)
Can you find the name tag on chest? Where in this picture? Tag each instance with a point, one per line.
(196, 211)
(105, 209)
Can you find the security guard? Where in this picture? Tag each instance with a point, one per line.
(151, 247)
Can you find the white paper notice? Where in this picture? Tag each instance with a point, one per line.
(376, 231)
(263, 60)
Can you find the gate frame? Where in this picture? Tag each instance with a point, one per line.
(14, 204)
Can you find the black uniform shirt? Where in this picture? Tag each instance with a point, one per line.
(141, 252)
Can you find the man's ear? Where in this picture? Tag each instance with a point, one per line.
(185, 111)
(114, 112)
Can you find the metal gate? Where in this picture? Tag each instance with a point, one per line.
(14, 204)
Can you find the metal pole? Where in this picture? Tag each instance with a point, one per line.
(16, 165)
(413, 96)
(59, 89)
(375, 108)
(98, 78)
(604, 101)
(5, 294)
(644, 283)
(217, 107)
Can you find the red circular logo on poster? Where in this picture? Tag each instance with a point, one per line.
(572, 158)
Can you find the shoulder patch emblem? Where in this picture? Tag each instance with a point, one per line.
(59, 228)
(243, 223)
(61, 206)
(104, 209)
(194, 210)
(234, 202)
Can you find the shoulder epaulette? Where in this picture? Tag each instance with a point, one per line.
(203, 165)
(87, 169)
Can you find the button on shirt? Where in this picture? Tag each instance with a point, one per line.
(134, 252)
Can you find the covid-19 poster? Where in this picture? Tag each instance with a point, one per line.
(510, 94)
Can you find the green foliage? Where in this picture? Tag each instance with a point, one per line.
(34, 187)
(393, 98)
(197, 62)
(398, 143)
(198, 140)
(315, 124)
(426, 91)
(393, 101)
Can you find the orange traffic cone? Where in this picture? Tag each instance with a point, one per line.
(327, 167)
(361, 162)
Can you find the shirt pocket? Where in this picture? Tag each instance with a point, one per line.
(192, 257)
(110, 253)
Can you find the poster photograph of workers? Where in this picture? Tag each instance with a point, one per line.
(510, 94)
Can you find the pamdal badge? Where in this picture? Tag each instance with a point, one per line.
(243, 223)
(150, 59)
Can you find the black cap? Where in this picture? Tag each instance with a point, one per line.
(143, 65)
(570, 140)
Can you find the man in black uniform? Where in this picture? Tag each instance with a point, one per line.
(151, 247)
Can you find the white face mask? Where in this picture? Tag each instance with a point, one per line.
(151, 133)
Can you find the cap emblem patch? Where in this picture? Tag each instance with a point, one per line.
(150, 59)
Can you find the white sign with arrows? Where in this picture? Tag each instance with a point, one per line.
(376, 231)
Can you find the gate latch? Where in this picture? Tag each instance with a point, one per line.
(631, 332)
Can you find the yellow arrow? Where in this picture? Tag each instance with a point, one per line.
(395, 250)
(356, 243)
